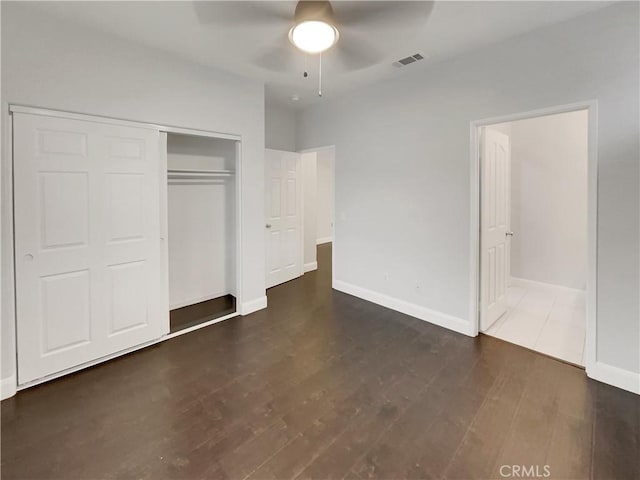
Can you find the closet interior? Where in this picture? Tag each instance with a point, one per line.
(201, 193)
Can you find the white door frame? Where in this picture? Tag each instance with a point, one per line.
(333, 233)
(10, 386)
(592, 215)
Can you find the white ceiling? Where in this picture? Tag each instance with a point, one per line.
(243, 37)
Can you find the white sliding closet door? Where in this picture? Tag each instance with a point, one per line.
(283, 202)
(87, 241)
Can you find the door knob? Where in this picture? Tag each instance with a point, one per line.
(509, 234)
(268, 225)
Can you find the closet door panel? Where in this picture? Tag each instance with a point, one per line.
(53, 177)
(131, 238)
(72, 226)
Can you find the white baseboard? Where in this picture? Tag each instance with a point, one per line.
(523, 282)
(8, 387)
(437, 318)
(320, 241)
(253, 305)
(624, 379)
(309, 267)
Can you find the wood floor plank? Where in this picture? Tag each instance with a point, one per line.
(483, 441)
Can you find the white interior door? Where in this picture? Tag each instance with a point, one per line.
(283, 216)
(494, 226)
(87, 241)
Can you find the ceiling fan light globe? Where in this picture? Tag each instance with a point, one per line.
(313, 36)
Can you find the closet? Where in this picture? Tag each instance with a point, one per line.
(125, 234)
(201, 215)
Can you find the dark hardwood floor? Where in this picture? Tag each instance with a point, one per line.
(192, 315)
(322, 385)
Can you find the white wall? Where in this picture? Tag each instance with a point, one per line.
(325, 168)
(403, 168)
(52, 64)
(280, 126)
(549, 157)
(309, 166)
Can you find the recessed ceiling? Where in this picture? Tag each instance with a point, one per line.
(250, 38)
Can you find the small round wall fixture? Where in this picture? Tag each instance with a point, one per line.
(315, 28)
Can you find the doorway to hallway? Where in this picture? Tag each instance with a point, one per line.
(533, 232)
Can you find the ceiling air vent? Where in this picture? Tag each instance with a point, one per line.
(408, 60)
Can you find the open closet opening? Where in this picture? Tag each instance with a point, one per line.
(201, 193)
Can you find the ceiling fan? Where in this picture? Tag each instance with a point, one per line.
(346, 31)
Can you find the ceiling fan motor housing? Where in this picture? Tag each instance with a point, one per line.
(314, 10)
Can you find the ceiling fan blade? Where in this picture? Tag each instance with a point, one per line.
(234, 13)
(282, 57)
(381, 14)
(352, 54)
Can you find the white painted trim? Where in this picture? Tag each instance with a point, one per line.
(118, 121)
(323, 240)
(311, 266)
(301, 205)
(239, 230)
(303, 209)
(200, 325)
(8, 387)
(164, 231)
(253, 305)
(437, 318)
(523, 282)
(318, 149)
(615, 376)
(590, 355)
(592, 228)
(199, 133)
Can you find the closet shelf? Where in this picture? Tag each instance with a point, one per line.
(183, 174)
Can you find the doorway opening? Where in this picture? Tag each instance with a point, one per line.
(318, 167)
(535, 255)
(299, 212)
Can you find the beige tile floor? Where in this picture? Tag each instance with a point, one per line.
(545, 318)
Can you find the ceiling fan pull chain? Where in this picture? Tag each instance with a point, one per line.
(306, 70)
(320, 77)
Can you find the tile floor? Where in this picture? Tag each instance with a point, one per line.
(544, 318)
